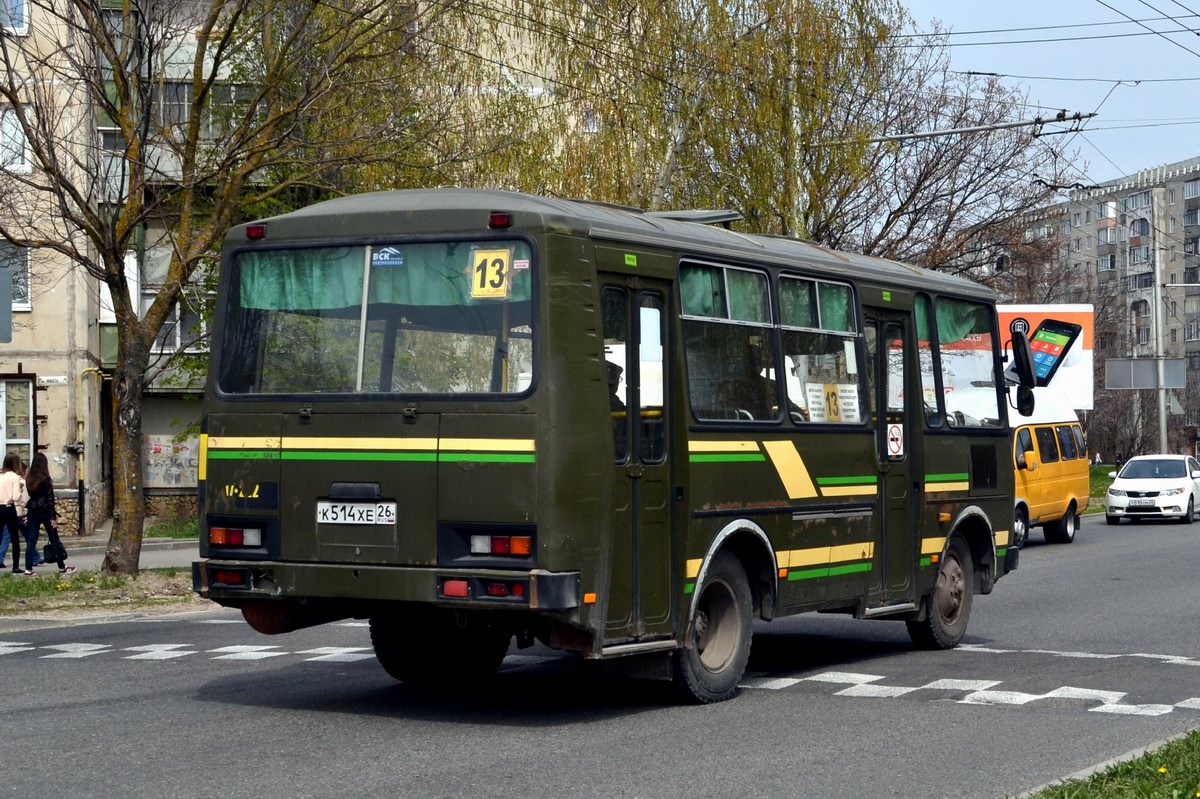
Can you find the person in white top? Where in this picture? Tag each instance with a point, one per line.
(13, 498)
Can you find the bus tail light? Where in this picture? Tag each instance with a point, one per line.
(458, 589)
(517, 545)
(235, 536)
(500, 219)
(229, 577)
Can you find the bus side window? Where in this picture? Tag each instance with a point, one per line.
(1066, 443)
(1077, 432)
(652, 431)
(615, 316)
(1047, 444)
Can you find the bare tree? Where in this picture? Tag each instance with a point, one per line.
(211, 110)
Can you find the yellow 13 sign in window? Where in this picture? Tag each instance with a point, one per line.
(490, 274)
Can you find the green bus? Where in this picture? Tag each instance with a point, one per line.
(469, 416)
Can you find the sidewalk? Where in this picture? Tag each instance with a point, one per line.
(87, 552)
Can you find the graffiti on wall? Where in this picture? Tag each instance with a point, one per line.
(170, 463)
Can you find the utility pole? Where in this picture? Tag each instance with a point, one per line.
(1158, 325)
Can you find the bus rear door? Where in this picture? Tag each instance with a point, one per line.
(639, 602)
(889, 352)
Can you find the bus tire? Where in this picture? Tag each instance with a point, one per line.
(711, 664)
(1063, 531)
(948, 606)
(435, 649)
(1020, 527)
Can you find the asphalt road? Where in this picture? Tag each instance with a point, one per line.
(1088, 651)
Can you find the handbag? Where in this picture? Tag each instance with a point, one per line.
(52, 553)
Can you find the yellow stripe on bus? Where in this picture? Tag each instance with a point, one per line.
(202, 469)
(1001, 537)
(933, 546)
(243, 442)
(693, 567)
(791, 469)
(300, 442)
(488, 444)
(849, 491)
(722, 446)
(932, 487)
(861, 551)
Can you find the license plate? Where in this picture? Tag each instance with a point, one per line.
(356, 513)
(1141, 503)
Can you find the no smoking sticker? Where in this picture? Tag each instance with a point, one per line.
(895, 440)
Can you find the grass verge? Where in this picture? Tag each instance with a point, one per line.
(1172, 772)
(178, 527)
(154, 590)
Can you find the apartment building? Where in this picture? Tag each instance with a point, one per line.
(55, 387)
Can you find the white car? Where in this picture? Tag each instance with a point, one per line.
(1154, 487)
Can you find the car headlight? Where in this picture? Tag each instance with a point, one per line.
(1170, 492)
(1116, 492)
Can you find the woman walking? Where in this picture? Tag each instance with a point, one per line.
(13, 497)
(41, 512)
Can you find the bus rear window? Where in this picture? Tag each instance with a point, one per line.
(435, 318)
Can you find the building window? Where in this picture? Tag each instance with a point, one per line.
(1192, 332)
(16, 417)
(1078, 244)
(1189, 246)
(1075, 219)
(184, 329)
(1143, 335)
(1139, 227)
(17, 260)
(1173, 252)
(1139, 255)
(1171, 196)
(1172, 222)
(14, 16)
(1191, 189)
(1189, 217)
(1139, 200)
(1174, 335)
(14, 149)
(1087, 216)
(1106, 235)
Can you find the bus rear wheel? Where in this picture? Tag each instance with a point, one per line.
(710, 666)
(948, 607)
(1063, 531)
(437, 648)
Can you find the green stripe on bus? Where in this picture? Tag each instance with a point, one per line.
(867, 479)
(1001, 551)
(926, 561)
(243, 454)
(832, 571)
(487, 457)
(334, 455)
(689, 588)
(737, 457)
(946, 478)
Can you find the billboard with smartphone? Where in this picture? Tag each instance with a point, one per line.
(1061, 339)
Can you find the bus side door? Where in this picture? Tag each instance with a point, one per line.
(637, 367)
(890, 352)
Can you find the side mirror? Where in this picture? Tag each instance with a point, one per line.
(1021, 462)
(1113, 475)
(1195, 474)
(1025, 397)
(1022, 366)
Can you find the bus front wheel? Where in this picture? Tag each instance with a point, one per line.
(709, 668)
(437, 648)
(948, 607)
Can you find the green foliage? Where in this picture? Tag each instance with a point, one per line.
(180, 527)
(1099, 481)
(1171, 771)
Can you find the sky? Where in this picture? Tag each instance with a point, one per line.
(1139, 124)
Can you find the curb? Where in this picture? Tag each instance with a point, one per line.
(147, 545)
(14, 624)
(1085, 773)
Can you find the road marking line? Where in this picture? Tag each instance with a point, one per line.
(1174, 660)
(848, 677)
(12, 647)
(247, 652)
(961, 685)
(878, 691)
(998, 698)
(1189, 704)
(159, 651)
(1067, 692)
(1133, 710)
(76, 650)
(770, 683)
(338, 654)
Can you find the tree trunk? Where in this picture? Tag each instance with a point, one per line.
(125, 542)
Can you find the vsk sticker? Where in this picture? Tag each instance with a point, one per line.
(489, 274)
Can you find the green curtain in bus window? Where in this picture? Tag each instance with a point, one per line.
(956, 320)
(835, 307)
(796, 306)
(748, 296)
(301, 280)
(436, 274)
(922, 314)
(701, 291)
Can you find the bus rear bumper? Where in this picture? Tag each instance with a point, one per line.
(1011, 557)
(233, 583)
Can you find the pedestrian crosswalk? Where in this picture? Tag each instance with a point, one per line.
(323, 654)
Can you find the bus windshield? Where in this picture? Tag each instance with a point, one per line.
(434, 318)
